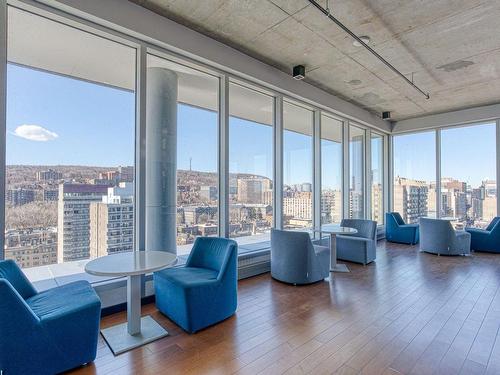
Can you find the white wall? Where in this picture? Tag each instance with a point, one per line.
(143, 24)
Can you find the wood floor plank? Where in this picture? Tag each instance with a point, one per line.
(406, 313)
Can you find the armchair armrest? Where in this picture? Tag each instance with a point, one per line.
(462, 241)
(477, 231)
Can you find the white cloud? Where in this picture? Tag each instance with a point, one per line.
(35, 133)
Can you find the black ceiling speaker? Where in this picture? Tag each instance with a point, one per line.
(386, 115)
(299, 72)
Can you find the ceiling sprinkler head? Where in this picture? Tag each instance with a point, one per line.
(364, 38)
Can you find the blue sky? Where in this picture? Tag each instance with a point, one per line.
(467, 154)
(94, 124)
(88, 124)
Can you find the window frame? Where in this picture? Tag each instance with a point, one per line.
(143, 48)
(437, 130)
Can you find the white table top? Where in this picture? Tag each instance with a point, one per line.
(130, 263)
(336, 229)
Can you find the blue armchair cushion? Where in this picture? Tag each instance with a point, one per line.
(486, 240)
(48, 332)
(64, 300)
(397, 231)
(204, 292)
(189, 276)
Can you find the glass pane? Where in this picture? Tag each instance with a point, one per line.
(197, 151)
(415, 175)
(297, 166)
(468, 177)
(250, 165)
(377, 178)
(356, 172)
(70, 143)
(331, 170)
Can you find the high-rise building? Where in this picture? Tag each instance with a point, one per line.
(489, 208)
(490, 188)
(410, 198)
(331, 206)
(267, 197)
(208, 193)
(251, 190)
(48, 175)
(73, 219)
(453, 198)
(112, 222)
(377, 203)
(299, 206)
(20, 196)
(356, 204)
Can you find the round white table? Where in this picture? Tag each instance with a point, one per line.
(333, 230)
(137, 331)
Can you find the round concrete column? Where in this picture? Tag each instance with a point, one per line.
(161, 160)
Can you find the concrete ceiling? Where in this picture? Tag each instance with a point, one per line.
(452, 47)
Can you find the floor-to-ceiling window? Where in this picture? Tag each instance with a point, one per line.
(414, 185)
(250, 165)
(377, 178)
(331, 170)
(197, 149)
(468, 174)
(70, 143)
(63, 79)
(297, 166)
(356, 172)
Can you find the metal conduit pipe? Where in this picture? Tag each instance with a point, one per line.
(327, 12)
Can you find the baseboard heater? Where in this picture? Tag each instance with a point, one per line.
(253, 264)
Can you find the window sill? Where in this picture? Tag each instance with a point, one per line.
(46, 277)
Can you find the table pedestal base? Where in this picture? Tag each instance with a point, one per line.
(120, 341)
(339, 267)
(334, 266)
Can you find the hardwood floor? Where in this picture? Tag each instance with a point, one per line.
(407, 313)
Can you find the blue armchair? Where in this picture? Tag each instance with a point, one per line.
(204, 291)
(47, 332)
(437, 236)
(360, 247)
(487, 240)
(295, 260)
(397, 231)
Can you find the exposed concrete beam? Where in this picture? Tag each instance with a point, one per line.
(143, 24)
(463, 116)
